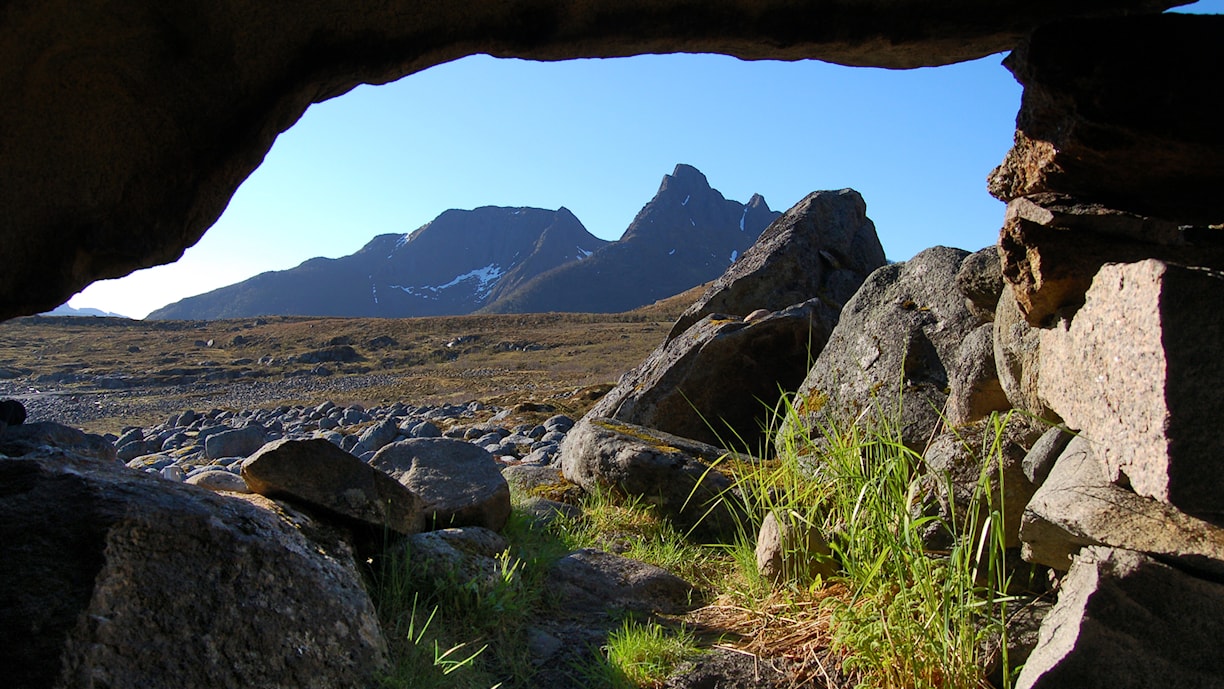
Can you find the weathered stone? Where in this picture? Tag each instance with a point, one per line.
(720, 381)
(1125, 620)
(674, 474)
(120, 150)
(974, 390)
(318, 474)
(240, 442)
(980, 279)
(219, 480)
(12, 413)
(889, 355)
(823, 247)
(1137, 372)
(789, 551)
(1122, 112)
(1078, 506)
(110, 577)
(1050, 267)
(19, 440)
(985, 454)
(530, 478)
(459, 482)
(1023, 632)
(1044, 453)
(378, 435)
(1017, 356)
(590, 579)
(471, 556)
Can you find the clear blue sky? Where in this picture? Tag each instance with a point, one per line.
(597, 136)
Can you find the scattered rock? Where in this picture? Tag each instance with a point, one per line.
(219, 480)
(471, 556)
(1017, 355)
(824, 246)
(459, 483)
(28, 437)
(974, 390)
(1077, 506)
(240, 442)
(674, 474)
(720, 381)
(1125, 620)
(591, 579)
(319, 475)
(110, 577)
(12, 413)
(793, 552)
(980, 279)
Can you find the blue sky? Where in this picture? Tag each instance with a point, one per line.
(597, 136)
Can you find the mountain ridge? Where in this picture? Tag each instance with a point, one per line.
(495, 259)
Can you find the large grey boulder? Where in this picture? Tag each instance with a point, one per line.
(1077, 506)
(980, 279)
(318, 474)
(239, 442)
(890, 353)
(460, 483)
(590, 579)
(720, 381)
(823, 247)
(680, 477)
(974, 390)
(1124, 620)
(1137, 371)
(23, 438)
(111, 577)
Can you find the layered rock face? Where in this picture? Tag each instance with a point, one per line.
(1109, 323)
(127, 126)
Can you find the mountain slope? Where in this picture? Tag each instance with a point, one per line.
(452, 265)
(686, 235)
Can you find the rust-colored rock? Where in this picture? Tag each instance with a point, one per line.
(126, 126)
(1122, 111)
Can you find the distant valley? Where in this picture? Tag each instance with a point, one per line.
(509, 260)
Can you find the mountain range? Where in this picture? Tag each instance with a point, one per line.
(509, 260)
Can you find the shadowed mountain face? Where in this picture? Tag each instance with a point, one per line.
(455, 264)
(509, 260)
(687, 235)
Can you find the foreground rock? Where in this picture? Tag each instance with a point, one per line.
(1136, 371)
(459, 483)
(720, 381)
(110, 577)
(322, 476)
(674, 474)
(1134, 129)
(889, 356)
(1077, 506)
(1125, 620)
(591, 579)
(825, 246)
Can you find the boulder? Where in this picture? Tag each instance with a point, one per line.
(1105, 122)
(721, 380)
(19, 440)
(986, 454)
(12, 413)
(1017, 357)
(459, 482)
(319, 475)
(240, 442)
(974, 390)
(378, 435)
(472, 556)
(1044, 453)
(1077, 506)
(980, 279)
(1136, 371)
(219, 480)
(590, 579)
(676, 475)
(110, 577)
(1125, 620)
(888, 357)
(788, 550)
(824, 246)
